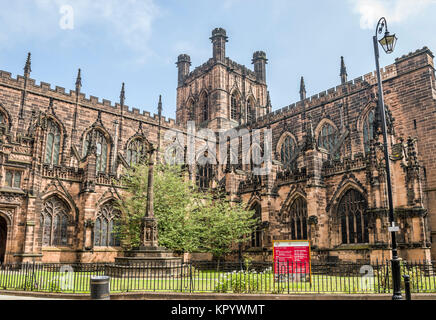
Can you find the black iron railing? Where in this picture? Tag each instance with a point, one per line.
(265, 278)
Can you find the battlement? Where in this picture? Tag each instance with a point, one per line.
(350, 87)
(60, 93)
(205, 67)
(219, 32)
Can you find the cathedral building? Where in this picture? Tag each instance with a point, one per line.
(62, 155)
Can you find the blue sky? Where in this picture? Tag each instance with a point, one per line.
(137, 42)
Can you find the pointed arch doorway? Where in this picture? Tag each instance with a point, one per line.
(3, 238)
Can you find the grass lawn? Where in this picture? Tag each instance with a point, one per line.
(201, 282)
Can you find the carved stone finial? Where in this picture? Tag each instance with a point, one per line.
(343, 74)
(122, 95)
(302, 89)
(28, 66)
(78, 81)
(159, 106)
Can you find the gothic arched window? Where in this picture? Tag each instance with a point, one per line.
(251, 111)
(256, 236)
(234, 106)
(204, 106)
(368, 130)
(328, 139)
(54, 223)
(53, 143)
(137, 151)
(353, 218)
(101, 145)
(298, 219)
(204, 176)
(105, 226)
(191, 111)
(287, 150)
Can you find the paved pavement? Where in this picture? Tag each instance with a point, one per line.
(5, 297)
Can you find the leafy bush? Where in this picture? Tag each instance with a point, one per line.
(240, 282)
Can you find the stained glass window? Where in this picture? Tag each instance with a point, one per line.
(137, 152)
(353, 218)
(251, 112)
(234, 108)
(204, 176)
(105, 226)
(328, 139)
(13, 179)
(102, 149)
(298, 219)
(287, 151)
(204, 107)
(54, 223)
(368, 130)
(52, 146)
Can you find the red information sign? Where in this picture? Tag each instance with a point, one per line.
(292, 258)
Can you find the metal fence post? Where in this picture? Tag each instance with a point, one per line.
(407, 286)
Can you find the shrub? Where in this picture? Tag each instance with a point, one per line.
(239, 282)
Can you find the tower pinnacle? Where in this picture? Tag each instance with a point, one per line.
(343, 74)
(302, 89)
(27, 67)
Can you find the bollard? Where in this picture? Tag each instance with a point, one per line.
(407, 286)
(100, 288)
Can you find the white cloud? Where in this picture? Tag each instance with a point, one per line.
(371, 11)
(125, 22)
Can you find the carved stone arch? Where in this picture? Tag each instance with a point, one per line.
(56, 188)
(190, 106)
(7, 115)
(255, 198)
(55, 220)
(348, 182)
(282, 139)
(349, 223)
(364, 113)
(62, 131)
(6, 235)
(200, 115)
(8, 218)
(137, 136)
(107, 196)
(249, 153)
(62, 197)
(235, 91)
(53, 117)
(321, 125)
(201, 154)
(293, 194)
(105, 220)
(251, 97)
(99, 126)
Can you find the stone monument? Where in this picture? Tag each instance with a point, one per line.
(149, 258)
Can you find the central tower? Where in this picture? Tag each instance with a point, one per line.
(221, 94)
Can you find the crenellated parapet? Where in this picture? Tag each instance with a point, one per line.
(417, 59)
(45, 90)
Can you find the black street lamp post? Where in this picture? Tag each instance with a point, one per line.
(388, 43)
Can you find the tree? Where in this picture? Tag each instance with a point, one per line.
(223, 225)
(188, 220)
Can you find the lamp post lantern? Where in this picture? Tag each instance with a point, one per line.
(388, 43)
